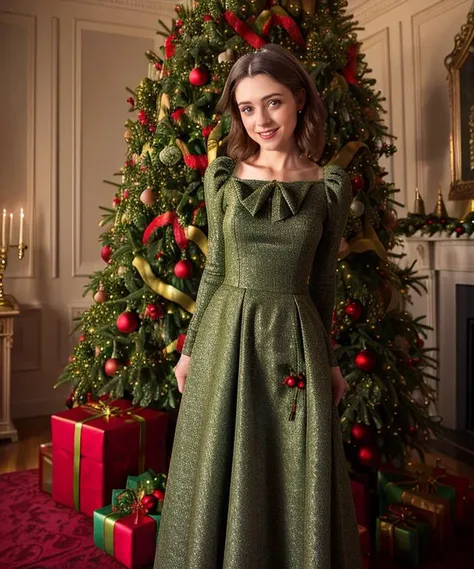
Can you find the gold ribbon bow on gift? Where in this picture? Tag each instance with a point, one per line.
(98, 410)
(398, 516)
(425, 478)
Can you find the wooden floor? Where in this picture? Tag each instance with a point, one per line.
(33, 431)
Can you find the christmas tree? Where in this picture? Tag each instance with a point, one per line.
(154, 243)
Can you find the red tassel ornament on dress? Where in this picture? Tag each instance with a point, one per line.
(293, 381)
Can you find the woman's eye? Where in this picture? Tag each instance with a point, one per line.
(276, 101)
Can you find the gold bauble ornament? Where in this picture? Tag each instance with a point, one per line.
(128, 135)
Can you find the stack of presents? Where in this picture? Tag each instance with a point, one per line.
(411, 515)
(109, 461)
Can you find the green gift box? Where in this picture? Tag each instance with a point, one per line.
(130, 539)
(125, 529)
(147, 481)
(433, 503)
(403, 536)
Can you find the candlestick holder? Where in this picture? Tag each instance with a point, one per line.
(6, 303)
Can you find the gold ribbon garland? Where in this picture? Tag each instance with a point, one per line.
(213, 141)
(194, 234)
(367, 239)
(165, 290)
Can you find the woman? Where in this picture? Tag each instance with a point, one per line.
(258, 478)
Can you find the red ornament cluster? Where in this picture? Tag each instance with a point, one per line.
(295, 380)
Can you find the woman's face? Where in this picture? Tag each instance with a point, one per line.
(266, 105)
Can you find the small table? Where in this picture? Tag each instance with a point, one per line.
(7, 315)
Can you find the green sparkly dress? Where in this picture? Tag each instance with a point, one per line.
(247, 487)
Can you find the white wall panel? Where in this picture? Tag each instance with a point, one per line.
(17, 52)
(107, 58)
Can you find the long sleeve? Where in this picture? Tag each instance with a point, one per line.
(213, 274)
(322, 284)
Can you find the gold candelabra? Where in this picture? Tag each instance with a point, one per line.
(6, 302)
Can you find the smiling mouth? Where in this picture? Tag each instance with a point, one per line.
(267, 134)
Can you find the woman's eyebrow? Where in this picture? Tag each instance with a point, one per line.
(262, 99)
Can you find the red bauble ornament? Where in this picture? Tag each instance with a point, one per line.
(199, 76)
(413, 361)
(125, 194)
(291, 381)
(111, 366)
(301, 384)
(82, 338)
(365, 360)
(159, 495)
(357, 183)
(70, 402)
(183, 269)
(354, 309)
(116, 201)
(420, 343)
(142, 117)
(127, 322)
(361, 433)
(367, 455)
(106, 253)
(153, 311)
(390, 219)
(149, 503)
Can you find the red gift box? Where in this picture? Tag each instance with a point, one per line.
(131, 539)
(461, 484)
(96, 446)
(46, 467)
(360, 495)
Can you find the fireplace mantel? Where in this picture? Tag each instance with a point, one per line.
(445, 262)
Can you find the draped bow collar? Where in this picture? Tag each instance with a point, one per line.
(286, 197)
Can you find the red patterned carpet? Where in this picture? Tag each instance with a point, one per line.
(37, 533)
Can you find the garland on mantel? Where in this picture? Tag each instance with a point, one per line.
(431, 225)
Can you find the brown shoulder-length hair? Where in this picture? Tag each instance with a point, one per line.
(276, 62)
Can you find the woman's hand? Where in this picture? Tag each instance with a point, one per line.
(181, 371)
(339, 385)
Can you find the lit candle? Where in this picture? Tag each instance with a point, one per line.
(10, 236)
(22, 217)
(4, 227)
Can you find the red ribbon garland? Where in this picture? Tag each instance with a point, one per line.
(196, 162)
(288, 24)
(243, 30)
(169, 46)
(161, 221)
